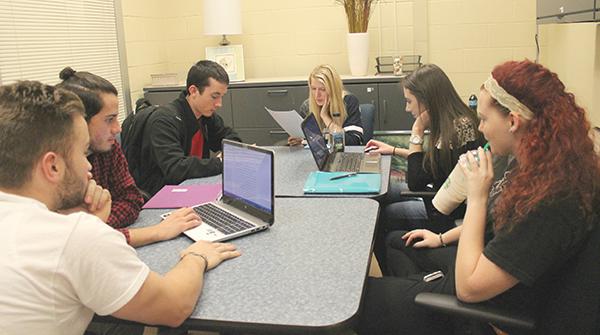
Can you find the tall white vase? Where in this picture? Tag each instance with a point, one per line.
(358, 53)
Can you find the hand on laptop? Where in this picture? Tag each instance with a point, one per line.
(215, 253)
(378, 147)
(177, 222)
(294, 141)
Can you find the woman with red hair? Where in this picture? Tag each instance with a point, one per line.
(522, 228)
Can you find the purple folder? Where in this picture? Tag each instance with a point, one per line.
(176, 196)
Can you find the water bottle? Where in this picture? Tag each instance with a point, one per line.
(473, 102)
(338, 138)
(327, 137)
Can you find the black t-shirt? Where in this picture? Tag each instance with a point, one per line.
(535, 249)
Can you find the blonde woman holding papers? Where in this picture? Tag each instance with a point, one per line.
(333, 107)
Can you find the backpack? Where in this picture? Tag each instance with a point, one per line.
(132, 134)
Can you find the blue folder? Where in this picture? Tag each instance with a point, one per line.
(319, 182)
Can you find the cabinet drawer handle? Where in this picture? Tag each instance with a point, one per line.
(277, 92)
(277, 132)
(384, 111)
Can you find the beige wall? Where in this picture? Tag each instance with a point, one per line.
(467, 38)
(573, 52)
(289, 37)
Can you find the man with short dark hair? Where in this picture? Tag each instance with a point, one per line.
(109, 166)
(179, 136)
(58, 270)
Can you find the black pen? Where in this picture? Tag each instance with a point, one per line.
(343, 176)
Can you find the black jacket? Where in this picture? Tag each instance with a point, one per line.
(353, 129)
(167, 142)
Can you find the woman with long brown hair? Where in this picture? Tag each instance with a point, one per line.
(549, 194)
(435, 105)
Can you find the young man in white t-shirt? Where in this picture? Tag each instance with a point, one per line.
(58, 270)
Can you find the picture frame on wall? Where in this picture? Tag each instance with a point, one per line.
(231, 58)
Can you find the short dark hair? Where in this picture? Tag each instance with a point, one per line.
(34, 119)
(88, 87)
(200, 72)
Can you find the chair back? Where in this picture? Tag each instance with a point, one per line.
(575, 307)
(367, 117)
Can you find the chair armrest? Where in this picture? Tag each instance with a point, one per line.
(451, 305)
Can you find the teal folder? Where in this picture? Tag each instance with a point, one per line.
(320, 182)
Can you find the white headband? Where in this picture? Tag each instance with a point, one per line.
(507, 100)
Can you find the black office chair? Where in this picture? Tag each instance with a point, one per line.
(574, 308)
(367, 117)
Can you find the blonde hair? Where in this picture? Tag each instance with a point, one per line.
(334, 87)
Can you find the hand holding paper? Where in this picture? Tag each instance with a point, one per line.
(290, 121)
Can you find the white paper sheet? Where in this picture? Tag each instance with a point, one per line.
(290, 121)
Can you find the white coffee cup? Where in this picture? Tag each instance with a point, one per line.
(454, 190)
(452, 193)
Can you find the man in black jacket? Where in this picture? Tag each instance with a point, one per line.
(179, 136)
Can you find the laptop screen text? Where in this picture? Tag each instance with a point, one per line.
(247, 176)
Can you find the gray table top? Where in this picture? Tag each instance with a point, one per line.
(294, 164)
(307, 271)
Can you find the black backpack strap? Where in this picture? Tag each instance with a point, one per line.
(142, 103)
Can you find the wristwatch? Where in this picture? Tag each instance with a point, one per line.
(416, 139)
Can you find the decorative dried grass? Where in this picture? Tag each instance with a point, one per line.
(358, 13)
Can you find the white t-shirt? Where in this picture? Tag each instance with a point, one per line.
(57, 270)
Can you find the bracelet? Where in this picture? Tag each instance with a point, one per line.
(193, 253)
(394, 152)
(442, 240)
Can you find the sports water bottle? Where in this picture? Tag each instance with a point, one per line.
(473, 102)
(337, 137)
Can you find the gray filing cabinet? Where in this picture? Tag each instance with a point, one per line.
(567, 11)
(164, 95)
(393, 115)
(367, 94)
(243, 105)
(253, 122)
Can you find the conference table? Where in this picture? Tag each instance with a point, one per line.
(306, 274)
(294, 164)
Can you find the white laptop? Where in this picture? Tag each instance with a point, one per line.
(247, 204)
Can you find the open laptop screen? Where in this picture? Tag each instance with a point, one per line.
(248, 177)
(315, 139)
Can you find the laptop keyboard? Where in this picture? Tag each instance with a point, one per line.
(349, 162)
(222, 220)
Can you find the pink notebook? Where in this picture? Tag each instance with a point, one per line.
(176, 196)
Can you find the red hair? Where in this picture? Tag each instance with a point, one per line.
(556, 157)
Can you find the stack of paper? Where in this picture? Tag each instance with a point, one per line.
(290, 121)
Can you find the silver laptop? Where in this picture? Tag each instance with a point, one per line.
(247, 204)
(339, 161)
